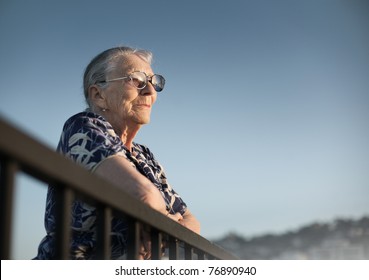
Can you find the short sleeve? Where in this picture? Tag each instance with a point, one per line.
(88, 139)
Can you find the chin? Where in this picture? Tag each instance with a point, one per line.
(143, 121)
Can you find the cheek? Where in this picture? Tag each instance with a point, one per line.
(125, 105)
(122, 101)
(115, 102)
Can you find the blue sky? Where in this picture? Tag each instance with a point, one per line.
(262, 127)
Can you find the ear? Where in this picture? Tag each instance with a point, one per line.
(97, 96)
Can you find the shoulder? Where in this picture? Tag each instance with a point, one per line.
(87, 120)
(88, 139)
(90, 126)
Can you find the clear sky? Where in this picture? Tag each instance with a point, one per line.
(262, 127)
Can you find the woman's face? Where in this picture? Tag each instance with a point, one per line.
(126, 105)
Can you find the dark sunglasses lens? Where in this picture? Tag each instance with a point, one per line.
(158, 82)
(138, 79)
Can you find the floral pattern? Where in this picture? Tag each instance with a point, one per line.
(88, 139)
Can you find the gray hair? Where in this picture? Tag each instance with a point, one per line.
(105, 62)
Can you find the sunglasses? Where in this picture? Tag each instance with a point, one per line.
(140, 79)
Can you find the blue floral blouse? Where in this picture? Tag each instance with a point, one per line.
(88, 139)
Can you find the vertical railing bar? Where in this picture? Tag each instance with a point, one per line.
(210, 257)
(8, 170)
(188, 251)
(156, 244)
(133, 246)
(104, 214)
(63, 207)
(200, 255)
(173, 248)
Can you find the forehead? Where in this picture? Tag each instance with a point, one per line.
(131, 63)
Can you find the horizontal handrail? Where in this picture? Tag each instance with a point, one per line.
(49, 166)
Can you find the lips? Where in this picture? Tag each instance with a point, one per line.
(144, 105)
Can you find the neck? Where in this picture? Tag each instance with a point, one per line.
(126, 131)
(127, 135)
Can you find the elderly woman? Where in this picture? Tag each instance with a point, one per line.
(120, 89)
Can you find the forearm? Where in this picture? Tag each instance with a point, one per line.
(152, 197)
(120, 172)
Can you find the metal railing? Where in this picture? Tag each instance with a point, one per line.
(21, 153)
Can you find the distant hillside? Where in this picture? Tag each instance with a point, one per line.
(341, 239)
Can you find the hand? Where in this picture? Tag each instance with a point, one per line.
(190, 222)
(175, 217)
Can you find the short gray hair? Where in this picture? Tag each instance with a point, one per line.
(102, 64)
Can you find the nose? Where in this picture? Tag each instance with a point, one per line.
(148, 89)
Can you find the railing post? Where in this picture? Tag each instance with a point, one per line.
(188, 252)
(200, 255)
(156, 244)
(134, 242)
(8, 171)
(173, 248)
(103, 246)
(63, 207)
(211, 257)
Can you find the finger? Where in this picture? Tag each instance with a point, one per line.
(172, 217)
(176, 217)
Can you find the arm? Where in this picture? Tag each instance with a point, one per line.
(119, 171)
